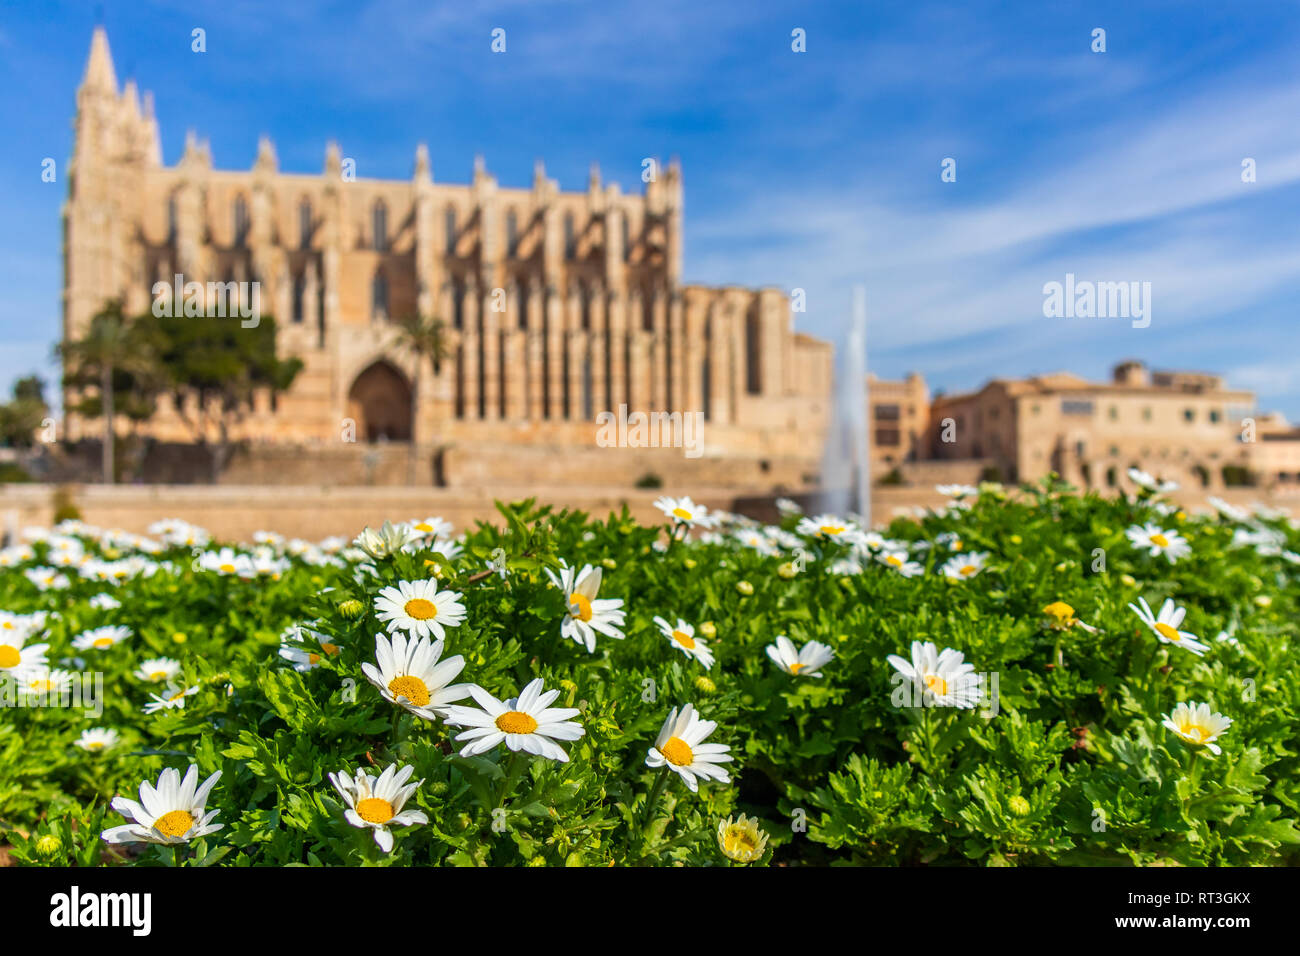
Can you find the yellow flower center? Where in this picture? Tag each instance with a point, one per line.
(516, 722)
(94, 745)
(1167, 632)
(683, 514)
(831, 529)
(967, 570)
(684, 639)
(796, 667)
(894, 560)
(1060, 611)
(936, 685)
(426, 528)
(328, 648)
(1160, 539)
(174, 824)
(176, 696)
(157, 675)
(9, 656)
(582, 605)
(313, 659)
(410, 687)
(420, 609)
(374, 810)
(228, 569)
(678, 752)
(739, 843)
(103, 642)
(40, 685)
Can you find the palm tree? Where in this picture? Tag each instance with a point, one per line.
(426, 338)
(111, 348)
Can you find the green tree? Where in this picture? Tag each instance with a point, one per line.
(112, 368)
(21, 417)
(426, 339)
(223, 364)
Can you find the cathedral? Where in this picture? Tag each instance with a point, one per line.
(560, 307)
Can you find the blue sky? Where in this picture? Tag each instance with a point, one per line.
(815, 170)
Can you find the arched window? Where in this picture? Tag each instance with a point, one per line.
(299, 292)
(379, 225)
(458, 304)
(523, 294)
(304, 224)
(240, 220)
(570, 241)
(647, 311)
(449, 226)
(753, 356)
(379, 298)
(512, 234)
(627, 239)
(171, 219)
(584, 295)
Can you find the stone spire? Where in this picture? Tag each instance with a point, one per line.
(333, 161)
(266, 158)
(99, 75)
(423, 172)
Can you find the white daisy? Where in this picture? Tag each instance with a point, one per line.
(741, 840)
(682, 637)
(411, 675)
(586, 615)
(47, 579)
(419, 608)
(388, 540)
(1145, 480)
(686, 512)
(828, 526)
(170, 814)
(963, 567)
(157, 670)
(957, 491)
(901, 562)
(42, 682)
(377, 802)
(942, 678)
(807, 661)
(527, 722)
(1158, 541)
(227, 562)
(105, 602)
(305, 648)
(432, 527)
(173, 698)
(98, 739)
(1165, 625)
(1198, 725)
(680, 746)
(101, 638)
(16, 655)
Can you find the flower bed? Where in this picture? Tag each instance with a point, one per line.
(1020, 678)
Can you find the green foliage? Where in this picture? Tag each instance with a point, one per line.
(1073, 765)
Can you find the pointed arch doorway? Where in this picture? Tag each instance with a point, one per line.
(380, 403)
